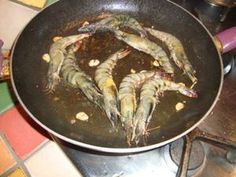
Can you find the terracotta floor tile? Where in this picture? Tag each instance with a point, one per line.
(22, 136)
(51, 161)
(6, 158)
(18, 173)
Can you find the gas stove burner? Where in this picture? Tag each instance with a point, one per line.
(197, 156)
(173, 153)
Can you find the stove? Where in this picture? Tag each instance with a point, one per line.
(207, 151)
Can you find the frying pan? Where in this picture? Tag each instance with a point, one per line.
(55, 112)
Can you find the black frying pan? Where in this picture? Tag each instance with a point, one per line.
(55, 112)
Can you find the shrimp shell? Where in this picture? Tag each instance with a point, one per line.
(57, 53)
(73, 75)
(127, 97)
(104, 80)
(176, 51)
(114, 22)
(149, 97)
(146, 46)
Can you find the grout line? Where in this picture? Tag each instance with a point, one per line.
(66, 155)
(41, 146)
(12, 169)
(19, 162)
(6, 108)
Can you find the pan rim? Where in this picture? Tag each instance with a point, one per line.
(113, 149)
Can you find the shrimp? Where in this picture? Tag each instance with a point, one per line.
(176, 51)
(104, 80)
(149, 98)
(146, 46)
(114, 22)
(72, 74)
(57, 55)
(127, 97)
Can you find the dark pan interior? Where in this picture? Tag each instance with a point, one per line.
(55, 111)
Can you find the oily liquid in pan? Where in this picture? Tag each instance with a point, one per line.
(68, 101)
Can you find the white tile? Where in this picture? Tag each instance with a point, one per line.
(51, 161)
(13, 19)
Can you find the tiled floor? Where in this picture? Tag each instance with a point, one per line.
(25, 149)
(5, 156)
(56, 156)
(18, 129)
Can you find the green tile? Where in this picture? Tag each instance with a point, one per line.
(7, 97)
(49, 2)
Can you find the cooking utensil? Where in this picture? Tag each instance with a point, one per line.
(54, 112)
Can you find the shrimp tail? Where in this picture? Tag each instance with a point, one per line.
(129, 129)
(142, 118)
(94, 96)
(112, 112)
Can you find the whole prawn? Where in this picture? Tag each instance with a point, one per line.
(146, 46)
(57, 55)
(114, 22)
(149, 97)
(127, 97)
(104, 80)
(176, 51)
(73, 75)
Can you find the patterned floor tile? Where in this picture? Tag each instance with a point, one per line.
(51, 161)
(6, 158)
(7, 97)
(21, 132)
(18, 173)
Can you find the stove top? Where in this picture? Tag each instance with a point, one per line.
(206, 159)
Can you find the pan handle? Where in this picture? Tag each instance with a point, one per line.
(226, 40)
(4, 65)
